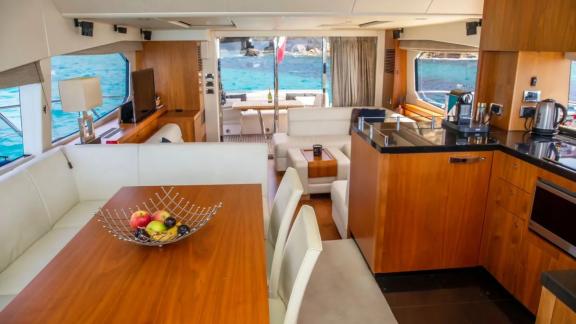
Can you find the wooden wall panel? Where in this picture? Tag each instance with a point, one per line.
(529, 25)
(553, 72)
(394, 85)
(497, 75)
(176, 73)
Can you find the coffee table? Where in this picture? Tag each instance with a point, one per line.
(217, 275)
(320, 166)
(318, 173)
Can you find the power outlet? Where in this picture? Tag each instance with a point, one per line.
(527, 111)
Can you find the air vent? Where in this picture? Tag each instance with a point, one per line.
(373, 23)
(389, 60)
(199, 53)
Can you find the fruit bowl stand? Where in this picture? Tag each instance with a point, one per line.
(117, 221)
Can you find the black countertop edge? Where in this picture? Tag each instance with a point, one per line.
(562, 284)
(549, 166)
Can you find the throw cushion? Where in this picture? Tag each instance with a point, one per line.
(165, 140)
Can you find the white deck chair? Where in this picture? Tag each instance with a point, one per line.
(299, 257)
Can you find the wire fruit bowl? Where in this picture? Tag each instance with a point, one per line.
(117, 221)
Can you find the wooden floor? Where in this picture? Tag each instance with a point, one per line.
(321, 203)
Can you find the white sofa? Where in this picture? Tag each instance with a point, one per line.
(339, 194)
(46, 201)
(308, 126)
(321, 184)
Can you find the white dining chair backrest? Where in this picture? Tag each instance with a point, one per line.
(284, 205)
(301, 252)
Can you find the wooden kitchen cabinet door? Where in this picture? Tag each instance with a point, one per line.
(501, 245)
(468, 184)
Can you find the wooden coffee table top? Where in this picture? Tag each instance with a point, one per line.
(217, 275)
(320, 166)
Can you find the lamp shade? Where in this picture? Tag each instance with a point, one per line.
(80, 94)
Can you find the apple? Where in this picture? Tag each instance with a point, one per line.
(140, 218)
(160, 215)
(155, 227)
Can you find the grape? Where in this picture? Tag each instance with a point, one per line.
(142, 235)
(183, 230)
(170, 222)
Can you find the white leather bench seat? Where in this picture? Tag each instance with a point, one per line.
(14, 278)
(80, 214)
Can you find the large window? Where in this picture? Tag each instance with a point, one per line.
(111, 69)
(247, 68)
(571, 120)
(11, 143)
(439, 72)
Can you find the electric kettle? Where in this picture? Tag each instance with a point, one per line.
(546, 119)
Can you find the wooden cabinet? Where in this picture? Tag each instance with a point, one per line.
(511, 252)
(553, 311)
(417, 211)
(501, 245)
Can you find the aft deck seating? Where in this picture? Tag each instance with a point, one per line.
(45, 202)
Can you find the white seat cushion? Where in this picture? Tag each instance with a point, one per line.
(80, 214)
(55, 181)
(171, 132)
(29, 264)
(283, 143)
(277, 310)
(24, 218)
(5, 300)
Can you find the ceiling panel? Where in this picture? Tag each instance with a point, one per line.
(456, 7)
(68, 7)
(301, 6)
(391, 6)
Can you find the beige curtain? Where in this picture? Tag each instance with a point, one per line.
(353, 71)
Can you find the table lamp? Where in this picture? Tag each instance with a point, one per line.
(81, 95)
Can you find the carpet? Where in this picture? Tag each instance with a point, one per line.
(342, 290)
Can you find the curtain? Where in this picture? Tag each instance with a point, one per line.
(353, 71)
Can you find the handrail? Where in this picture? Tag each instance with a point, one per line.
(10, 124)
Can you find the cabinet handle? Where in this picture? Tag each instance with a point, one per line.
(466, 160)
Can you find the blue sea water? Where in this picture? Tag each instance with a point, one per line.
(252, 73)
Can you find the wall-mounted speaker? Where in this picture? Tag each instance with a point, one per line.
(86, 27)
(472, 27)
(146, 34)
(120, 29)
(396, 33)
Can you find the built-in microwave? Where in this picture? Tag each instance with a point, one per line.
(554, 215)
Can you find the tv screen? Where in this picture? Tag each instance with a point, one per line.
(144, 93)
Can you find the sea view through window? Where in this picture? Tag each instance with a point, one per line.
(11, 141)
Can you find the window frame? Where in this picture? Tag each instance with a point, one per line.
(99, 119)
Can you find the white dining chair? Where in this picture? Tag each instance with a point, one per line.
(298, 260)
(283, 209)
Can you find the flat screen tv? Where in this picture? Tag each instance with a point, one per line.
(144, 94)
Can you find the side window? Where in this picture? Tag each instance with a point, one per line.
(439, 72)
(571, 120)
(113, 72)
(11, 142)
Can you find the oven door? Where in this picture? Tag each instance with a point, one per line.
(554, 215)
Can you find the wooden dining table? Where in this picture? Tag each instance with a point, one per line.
(260, 105)
(216, 275)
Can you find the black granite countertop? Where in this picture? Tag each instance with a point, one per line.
(416, 138)
(562, 283)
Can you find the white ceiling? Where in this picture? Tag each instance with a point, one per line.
(272, 14)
